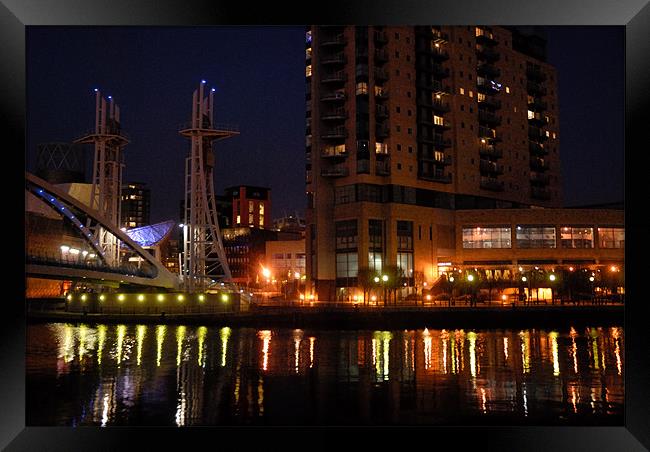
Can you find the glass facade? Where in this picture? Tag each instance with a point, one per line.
(405, 249)
(611, 237)
(576, 237)
(490, 237)
(375, 245)
(535, 236)
(347, 258)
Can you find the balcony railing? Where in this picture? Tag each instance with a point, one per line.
(535, 73)
(487, 54)
(382, 168)
(536, 88)
(488, 70)
(444, 160)
(381, 56)
(438, 53)
(440, 142)
(490, 102)
(438, 36)
(537, 105)
(486, 166)
(381, 37)
(538, 164)
(334, 77)
(537, 149)
(334, 152)
(382, 131)
(333, 40)
(334, 133)
(335, 58)
(336, 171)
(485, 36)
(538, 120)
(489, 118)
(492, 184)
(381, 95)
(381, 75)
(540, 193)
(381, 111)
(439, 105)
(536, 134)
(443, 125)
(488, 150)
(436, 177)
(336, 114)
(539, 178)
(489, 134)
(333, 96)
(488, 86)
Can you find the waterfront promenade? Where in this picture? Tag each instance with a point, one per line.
(361, 317)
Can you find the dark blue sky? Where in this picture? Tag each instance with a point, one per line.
(259, 77)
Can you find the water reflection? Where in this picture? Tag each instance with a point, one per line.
(219, 375)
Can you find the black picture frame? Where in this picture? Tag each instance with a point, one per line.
(16, 15)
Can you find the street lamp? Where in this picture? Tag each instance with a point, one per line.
(551, 277)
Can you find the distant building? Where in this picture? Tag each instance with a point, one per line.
(290, 223)
(251, 206)
(136, 205)
(246, 252)
(286, 258)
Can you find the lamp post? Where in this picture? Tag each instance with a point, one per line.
(552, 278)
(376, 279)
(470, 279)
(384, 280)
(451, 290)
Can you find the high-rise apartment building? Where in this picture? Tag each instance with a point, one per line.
(136, 205)
(408, 125)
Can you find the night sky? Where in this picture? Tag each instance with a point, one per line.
(258, 74)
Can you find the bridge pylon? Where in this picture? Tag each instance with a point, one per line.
(204, 258)
(109, 142)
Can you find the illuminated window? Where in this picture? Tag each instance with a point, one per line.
(554, 135)
(535, 236)
(362, 88)
(251, 207)
(491, 237)
(508, 89)
(548, 134)
(375, 245)
(531, 114)
(611, 237)
(238, 219)
(308, 52)
(471, 94)
(308, 70)
(438, 120)
(132, 224)
(347, 265)
(462, 91)
(480, 97)
(576, 237)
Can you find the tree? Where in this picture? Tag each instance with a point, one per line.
(365, 278)
(395, 276)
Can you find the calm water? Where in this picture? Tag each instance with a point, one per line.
(86, 374)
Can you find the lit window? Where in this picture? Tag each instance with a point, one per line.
(554, 135)
(471, 94)
(462, 91)
(611, 237)
(438, 120)
(480, 97)
(535, 237)
(238, 219)
(308, 70)
(508, 89)
(492, 237)
(132, 224)
(576, 237)
(362, 88)
(531, 115)
(548, 134)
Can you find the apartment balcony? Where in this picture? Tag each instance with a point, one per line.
(333, 96)
(334, 59)
(381, 151)
(538, 120)
(488, 150)
(487, 54)
(381, 95)
(489, 118)
(381, 111)
(381, 75)
(540, 193)
(485, 166)
(335, 171)
(537, 134)
(439, 142)
(487, 86)
(539, 179)
(334, 77)
(438, 53)
(382, 131)
(440, 106)
(381, 56)
(336, 114)
(361, 72)
(442, 125)
(489, 183)
(484, 36)
(333, 40)
(439, 71)
(538, 164)
(488, 71)
(537, 149)
(382, 168)
(490, 102)
(535, 73)
(489, 134)
(442, 160)
(536, 89)
(334, 152)
(334, 133)
(381, 37)
(537, 105)
(436, 176)
(438, 36)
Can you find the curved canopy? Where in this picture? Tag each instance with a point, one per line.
(152, 234)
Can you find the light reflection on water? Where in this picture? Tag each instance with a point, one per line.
(186, 375)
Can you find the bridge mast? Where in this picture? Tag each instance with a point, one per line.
(204, 257)
(108, 164)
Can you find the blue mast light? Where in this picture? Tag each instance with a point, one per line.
(95, 90)
(110, 97)
(213, 90)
